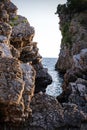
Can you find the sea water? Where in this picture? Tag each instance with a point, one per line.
(53, 89)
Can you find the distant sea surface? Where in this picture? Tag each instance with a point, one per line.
(53, 89)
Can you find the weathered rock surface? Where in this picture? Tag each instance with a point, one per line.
(22, 74)
(42, 78)
(74, 29)
(22, 40)
(73, 60)
(49, 114)
(18, 57)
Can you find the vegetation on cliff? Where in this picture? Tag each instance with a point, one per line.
(22, 75)
(77, 5)
(72, 6)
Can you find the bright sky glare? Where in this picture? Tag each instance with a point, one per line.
(41, 15)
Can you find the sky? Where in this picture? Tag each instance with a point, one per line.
(41, 15)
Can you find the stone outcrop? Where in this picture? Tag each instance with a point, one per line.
(22, 78)
(22, 40)
(73, 58)
(49, 114)
(73, 28)
(19, 59)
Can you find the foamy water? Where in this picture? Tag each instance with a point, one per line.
(55, 88)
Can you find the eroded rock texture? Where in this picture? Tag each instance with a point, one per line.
(22, 74)
(73, 58)
(49, 114)
(19, 58)
(74, 29)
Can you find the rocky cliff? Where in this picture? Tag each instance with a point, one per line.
(73, 28)
(21, 71)
(22, 78)
(72, 59)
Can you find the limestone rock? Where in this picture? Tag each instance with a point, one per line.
(73, 62)
(73, 28)
(19, 58)
(5, 29)
(11, 86)
(29, 78)
(30, 53)
(21, 31)
(47, 113)
(5, 50)
(14, 51)
(3, 39)
(10, 7)
(16, 89)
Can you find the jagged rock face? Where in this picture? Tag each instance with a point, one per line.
(49, 114)
(75, 84)
(29, 78)
(73, 61)
(73, 48)
(30, 53)
(44, 117)
(17, 83)
(5, 29)
(73, 28)
(20, 67)
(11, 78)
(7, 10)
(19, 57)
(11, 87)
(21, 39)
(77, 72)
(22, 32)
(5, 50)
(17, 80)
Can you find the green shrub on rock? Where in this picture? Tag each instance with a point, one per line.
(77, 5)
(66, 35)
